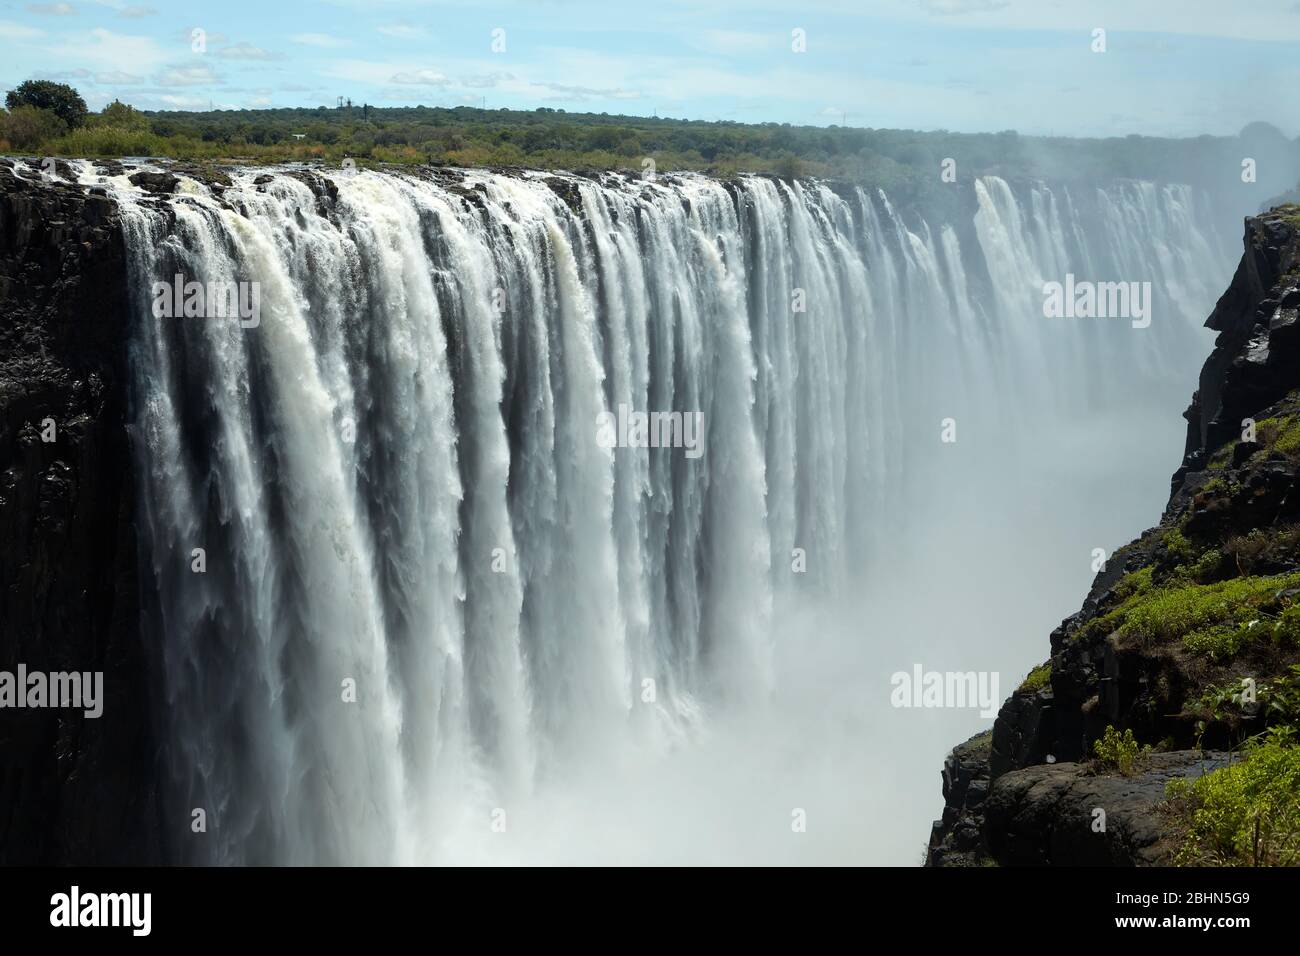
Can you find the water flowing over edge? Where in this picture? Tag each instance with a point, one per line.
(397, 481)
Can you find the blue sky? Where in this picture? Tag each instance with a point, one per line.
(1171, 67)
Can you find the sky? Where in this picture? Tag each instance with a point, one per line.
(1169, 67)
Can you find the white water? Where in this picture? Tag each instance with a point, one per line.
(398, 484)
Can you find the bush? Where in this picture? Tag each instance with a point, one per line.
(1245, 814)
(1280, 434)
(1276, 700)
(59, 98)
(1118, 752)
(790, 167)
(1179, 548)
(1037, 679)
(1212, 619)
(26, 127)
(121, 116)
(108, 141)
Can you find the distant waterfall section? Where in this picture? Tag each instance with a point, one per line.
(399, 582)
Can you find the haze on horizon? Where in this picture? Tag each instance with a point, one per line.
(1170, 67)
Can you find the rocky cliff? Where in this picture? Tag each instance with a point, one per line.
(72, 788)
(1189, 638)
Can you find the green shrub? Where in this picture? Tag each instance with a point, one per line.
(120, 115)
(1219, 643)
(108, 141)
(1245, 814)
(1206, 565)
(26, 127)
(1037, 679)
(1136, 583)
(1276, 700)
(1213, 619)
(1179, 548)
(1218, 485)
(1281, 433)
(1118, 752)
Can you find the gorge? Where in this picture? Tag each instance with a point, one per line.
(396, 480)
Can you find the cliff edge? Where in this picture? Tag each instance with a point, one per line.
(72, 788)
(1162, 728)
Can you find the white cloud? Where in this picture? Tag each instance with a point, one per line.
(476, 74)
(246, 51)
(1207, 18)
(179, 102)
(567, 92)
(402, 31)
(945, 8)
(118, 78)
(318, 39)
(484, 81)
(186, 75)
(105, 50)
(51, 9)
(126, 10)
(17, 31)
(734, 42)
(63, 75)
(421, 78)
(212, 37)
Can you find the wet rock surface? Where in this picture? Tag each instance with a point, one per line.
(72, 788)
(1060, 814)
(155, 182)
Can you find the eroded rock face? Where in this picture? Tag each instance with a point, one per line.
(1230, 485)
(956, 839)
(73, 789)
(1062, 815)
(1254, 361)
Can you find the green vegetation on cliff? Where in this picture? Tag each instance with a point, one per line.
(1118, 752)
(1213, 619)
(1037, 679)
(1245, 814)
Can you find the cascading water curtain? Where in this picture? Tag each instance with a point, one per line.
(407, 560)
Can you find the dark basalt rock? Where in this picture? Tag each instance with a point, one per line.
(323, 189)
(1049, 814)
(955, 840)
(1254, 361)
(215, 178)
(567, 190)
(72, 789)
(162, 183)
(1022, 725)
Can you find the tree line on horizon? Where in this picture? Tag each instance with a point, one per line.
(48, 118)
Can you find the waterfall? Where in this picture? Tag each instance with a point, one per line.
(399, 585)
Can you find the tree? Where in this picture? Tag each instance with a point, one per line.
(122, 116)
(789, 167)
(59, 98)
(26, 127)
